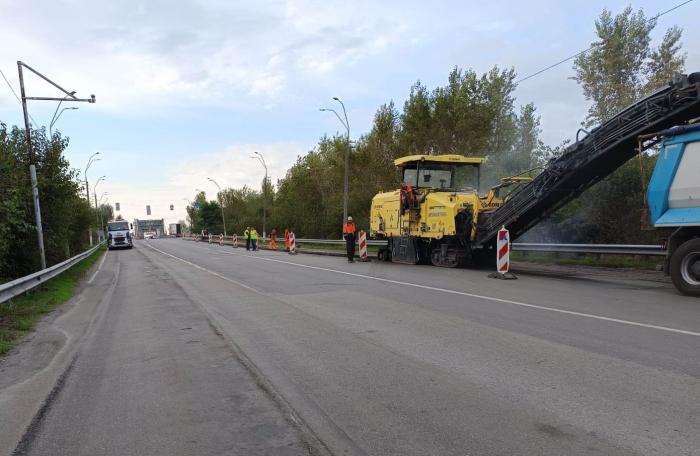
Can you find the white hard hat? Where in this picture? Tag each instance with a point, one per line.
(349, 218)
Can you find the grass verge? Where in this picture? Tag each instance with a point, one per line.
(18, 320)
(608, 261)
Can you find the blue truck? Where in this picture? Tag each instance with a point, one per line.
(673, 201)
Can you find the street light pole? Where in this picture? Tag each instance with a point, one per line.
(32, 158)
(94, 191)
(346, 124)
(102, 222)
(55, 118)
(261, 159)
(221, 198)
(87, 185)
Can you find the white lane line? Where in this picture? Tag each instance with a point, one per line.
(461, 293)
(98, 267)
(203, 269)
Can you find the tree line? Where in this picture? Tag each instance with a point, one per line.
(474, 115)
(65, 213)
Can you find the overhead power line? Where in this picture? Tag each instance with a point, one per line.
(15, 93)
(593, 47)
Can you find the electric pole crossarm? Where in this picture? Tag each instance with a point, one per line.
(70, 94)
(87, 100)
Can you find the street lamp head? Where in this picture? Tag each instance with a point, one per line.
(336, 98)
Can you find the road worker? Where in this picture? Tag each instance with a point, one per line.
(254, 238)
(349, 235)
(246, 233)
(286, 239)
(273, 240)
(407, 194)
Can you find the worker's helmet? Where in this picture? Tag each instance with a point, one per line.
(349, 219)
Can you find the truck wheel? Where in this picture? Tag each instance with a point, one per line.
(685, 268)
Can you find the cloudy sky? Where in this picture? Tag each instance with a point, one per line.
(188, 89)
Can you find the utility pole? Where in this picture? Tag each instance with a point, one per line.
(346, 124)
(87, 187)
(94, 192)
(102, 223)
(261, 159)
(32, 158)
(221, 198)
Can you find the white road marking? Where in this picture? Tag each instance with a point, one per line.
(461, 293)
(203, 269)
(99, 267)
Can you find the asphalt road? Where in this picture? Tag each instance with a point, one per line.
(203, 349)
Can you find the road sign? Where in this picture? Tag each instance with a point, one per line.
(148, 210)
(196, 205)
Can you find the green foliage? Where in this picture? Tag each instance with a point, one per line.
(65, 215)
(17, 320)
(208, 217)
(622, 66)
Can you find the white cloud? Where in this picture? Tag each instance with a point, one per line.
(159, 55)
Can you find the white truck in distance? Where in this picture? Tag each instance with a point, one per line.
(118, 235)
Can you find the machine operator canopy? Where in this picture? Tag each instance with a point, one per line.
(441, 172)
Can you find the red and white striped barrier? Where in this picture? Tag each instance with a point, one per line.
(502, 256)
(210, 238)
(235, 241)
(221, 239)
(292, 244)
(503, 246)
(363, 246)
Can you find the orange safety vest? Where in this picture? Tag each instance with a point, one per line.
(286, 237)
(349, 228)
(408, 191)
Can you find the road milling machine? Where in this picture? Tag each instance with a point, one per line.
(451, 222)
(439, 223)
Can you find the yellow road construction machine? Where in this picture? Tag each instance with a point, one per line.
(440, 223)
(450, 223)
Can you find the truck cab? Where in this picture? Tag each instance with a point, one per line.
(118, 235)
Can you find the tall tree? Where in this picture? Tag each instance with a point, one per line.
(622, 66)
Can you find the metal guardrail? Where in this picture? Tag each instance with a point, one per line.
(18, 286)
(603, 249)
(598, 249)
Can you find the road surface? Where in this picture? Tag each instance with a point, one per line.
(202, 349)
